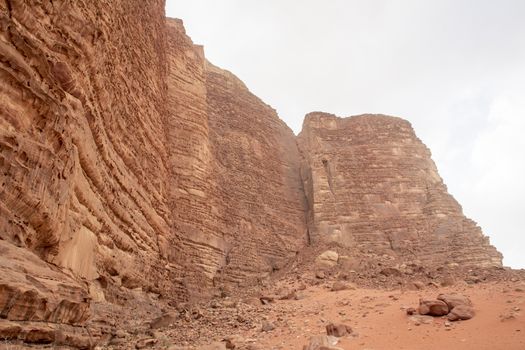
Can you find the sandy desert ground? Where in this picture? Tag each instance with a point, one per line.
(379, 320)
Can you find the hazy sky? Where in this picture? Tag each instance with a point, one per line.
(454, 68)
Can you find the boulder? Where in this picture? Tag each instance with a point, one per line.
(432, 307)
(453, 300)
(164, 320)
(461, 312)
(327, 259)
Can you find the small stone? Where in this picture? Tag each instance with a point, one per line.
(321, 341)
(338, 330)
(229, 303)
(143, 343)
(266, 299)
(391, 271)
(411, 311)
(418, 284)
(267, 326)
(233, 342)
(291, 295)
(421, 319)
(338, 286)
(164, 320)
(214, 346)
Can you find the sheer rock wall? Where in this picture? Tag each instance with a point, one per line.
(129, 162)
(372, 186)
(236, 193)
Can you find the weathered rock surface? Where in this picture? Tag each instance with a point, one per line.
(130, 165)
(32, 290)
(461, 312)
(83, 157)
(338, 330)
(372, 186)
(432, 307)
(453, 300)
(328, 258)
(237, 200)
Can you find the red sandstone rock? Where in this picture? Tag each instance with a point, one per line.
(461, 312)
(432, 307)
(130, 164)
(453, 300)
(371, 185)
(338, 330)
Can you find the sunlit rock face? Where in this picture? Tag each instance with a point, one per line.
(131, 164)
(129, 161)
(84, 163)
(372, 185)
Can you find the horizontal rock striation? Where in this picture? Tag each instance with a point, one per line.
(130, 165)
(110, 169)
(237, 199)
(256, 162)
(371, 185)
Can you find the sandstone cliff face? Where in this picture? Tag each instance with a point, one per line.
(372, 186)
(110, 169)
(82, 137)
(237, 199)
(130, 164)
(256, 162)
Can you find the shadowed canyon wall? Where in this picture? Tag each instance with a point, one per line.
(128, 161)
(236, 192)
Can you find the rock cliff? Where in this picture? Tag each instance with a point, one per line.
(236, 194)
(372, 186)
(131, 164)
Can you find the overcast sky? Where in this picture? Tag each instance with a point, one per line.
(454, 68)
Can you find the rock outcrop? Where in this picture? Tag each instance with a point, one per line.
(131, 164)
(237, 199)
(372, 186)
(82, 155)
(129, 161)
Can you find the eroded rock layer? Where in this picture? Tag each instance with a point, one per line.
(110, 167)
(256, 162)
(237, 199)
(371, 185)
(133, 169)
(83, 158)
